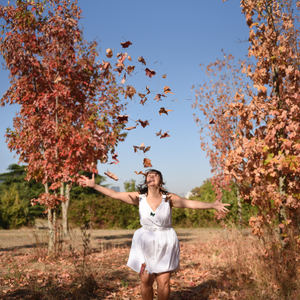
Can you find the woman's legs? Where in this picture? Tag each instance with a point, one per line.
(163, 285)
(147, 285)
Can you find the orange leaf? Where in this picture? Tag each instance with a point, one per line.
(167, 90)
(111, 175)
(164, 111)
(164, 135)
(109, 53)
(147, 163)
(141, 59)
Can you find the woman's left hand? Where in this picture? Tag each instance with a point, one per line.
(220, 207)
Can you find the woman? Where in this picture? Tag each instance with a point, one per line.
(155, 248)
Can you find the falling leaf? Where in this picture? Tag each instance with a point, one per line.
(143, 123)
(109, 53)
(123, 79)
(105, 65)
(122, 57)
(147, 88)
(147, 149)
(126, 44)
(122, 119)
(130, 69)
(111, 175)
(141, 59)
(139, 173)
(164, 76)
(129, 58)
(143, 101)
(141, 95)
(167, 90)
(164, 135)
(141, 147)
(119, 70)
(149, 72)
(115, 158)
(164, 111)
(115, 155)
(147, 163)
(130, 91)
(159, 133)
(130, 128)
(158, 97)
(211, 121)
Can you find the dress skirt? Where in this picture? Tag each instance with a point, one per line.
(155, 246)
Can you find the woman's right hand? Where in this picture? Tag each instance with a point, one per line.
(85, 181)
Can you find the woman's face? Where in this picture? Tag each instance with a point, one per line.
(153, 179)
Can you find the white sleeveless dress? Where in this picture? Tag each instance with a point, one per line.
(155, 243)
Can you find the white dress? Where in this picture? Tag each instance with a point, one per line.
(155, 243)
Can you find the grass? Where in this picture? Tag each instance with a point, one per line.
(236, 267)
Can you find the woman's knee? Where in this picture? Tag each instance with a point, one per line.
(147, 279)
(163, 280)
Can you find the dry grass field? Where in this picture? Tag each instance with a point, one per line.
(215, 264)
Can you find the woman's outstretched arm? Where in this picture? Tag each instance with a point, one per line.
(185, 203)
(127, 197)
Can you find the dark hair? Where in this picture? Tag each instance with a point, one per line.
(143, 188)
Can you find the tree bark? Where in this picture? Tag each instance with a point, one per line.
(50, 225)
(65, 207)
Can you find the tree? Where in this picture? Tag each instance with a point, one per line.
(15, 196)
(214, 97)
(130, 186)
(69, 103)
(266, 146)
(70, 107)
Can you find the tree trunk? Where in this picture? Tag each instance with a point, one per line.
(50, 226)
(65, 207)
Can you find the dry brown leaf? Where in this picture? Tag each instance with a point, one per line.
(147, 149)
(158, 97)
(130, 128)
(142, 60)
(109, 53)
(130, 91)
(149, 72)
(164, 76)
(143, 101)
(164, 135)
(141, 147)
(147, 163)
(129, 58)
(164, 111)
(122, 118)
(142, 95)
(122, 57)
(130, 69)
(159, 133)
(167, 90)
(147, 88)
(143, 123)
(140, 173)
(123, 79)
(126, 44)
(111, 175)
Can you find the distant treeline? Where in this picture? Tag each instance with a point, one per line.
(98, 211)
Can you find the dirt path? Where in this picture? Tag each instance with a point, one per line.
(24, 240)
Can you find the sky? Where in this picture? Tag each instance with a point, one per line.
(174, 37)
